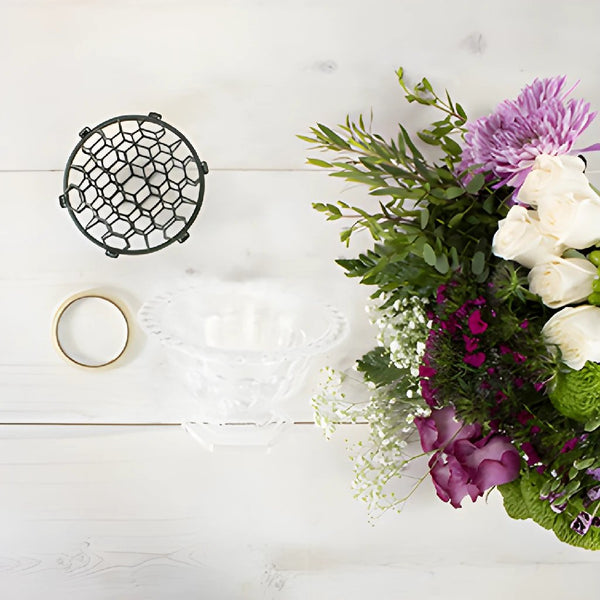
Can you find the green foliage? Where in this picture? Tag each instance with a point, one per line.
(514, 503)
(427, 219)
(504, 397)
(395, 277)
(432, 224)
(378, 368)
(576, 394)
(531, 486)
(391, 373)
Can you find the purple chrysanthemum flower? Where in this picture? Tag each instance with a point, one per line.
(539, 121)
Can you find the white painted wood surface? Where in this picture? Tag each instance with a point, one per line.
(145, 513)
(142, 511)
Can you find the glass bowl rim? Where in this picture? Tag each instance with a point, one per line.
(336, 330)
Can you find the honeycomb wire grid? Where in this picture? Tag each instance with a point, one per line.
(133, 185)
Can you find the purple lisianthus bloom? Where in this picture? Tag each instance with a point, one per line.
(540, 121)
(490, 461)
(441, 430)
(451, 480)
(464, 462)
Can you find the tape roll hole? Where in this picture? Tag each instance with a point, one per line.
(92, 331)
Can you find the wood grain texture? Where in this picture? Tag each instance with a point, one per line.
(147, 514)
(241, 78)
(144, 513)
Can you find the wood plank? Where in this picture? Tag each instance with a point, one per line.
(252, 225)
(241, 79)
(146, 513)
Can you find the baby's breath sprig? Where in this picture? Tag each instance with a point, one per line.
(387, 405)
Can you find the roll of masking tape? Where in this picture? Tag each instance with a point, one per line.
(91, 330)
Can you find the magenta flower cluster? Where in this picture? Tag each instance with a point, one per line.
(540, 121)
(464, 463)
(468, 314)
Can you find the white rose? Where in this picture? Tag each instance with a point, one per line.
(573, 220)
(519, 237)
(562, 281)
(551, 176)
(576, 331)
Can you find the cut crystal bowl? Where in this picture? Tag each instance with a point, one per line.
(242, 347)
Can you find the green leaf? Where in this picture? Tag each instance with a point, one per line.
(478, 263)
(396, 171)
(424, 216)
(476, 183)
(394, 192)
(542, 513)
(429, 255)
(426, 85)
(454, 258)
(584, 464)
(428, 139)
(319, 163)
(345, 235)
(488, 205)
(415, 152)
(455, 220)
(572, 253)
(441, 264)
(513, 500)
(310, 140)
(461, 111)
(592, 425)
(453, 192)
(378, 368)
(334, 137)
(451, 147)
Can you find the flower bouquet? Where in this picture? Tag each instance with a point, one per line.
(487, 301)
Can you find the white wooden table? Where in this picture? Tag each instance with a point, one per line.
(102, 493)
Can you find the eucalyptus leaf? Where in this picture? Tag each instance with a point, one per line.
(442, 265)
(453, 192)
(476, 183)
(478, 263)
(429, 255)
